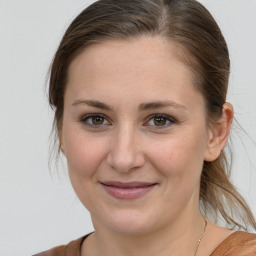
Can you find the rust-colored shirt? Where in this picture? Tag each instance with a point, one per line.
(237, 244)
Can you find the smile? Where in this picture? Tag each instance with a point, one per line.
(131, 190)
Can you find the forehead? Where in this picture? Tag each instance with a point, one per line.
(146, 66)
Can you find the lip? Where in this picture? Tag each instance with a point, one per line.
(127, 190)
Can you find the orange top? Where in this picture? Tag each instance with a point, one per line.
(238, 243)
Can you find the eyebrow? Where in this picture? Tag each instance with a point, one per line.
(142, 106)
(93, 103)
(160, 104)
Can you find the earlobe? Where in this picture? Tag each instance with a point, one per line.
(219, 133)
(61, 146)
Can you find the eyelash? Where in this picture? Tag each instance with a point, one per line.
(167, 118)
(84, 120)
(170, 120)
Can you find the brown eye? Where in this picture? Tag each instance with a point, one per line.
(160, 121)
(97, 120)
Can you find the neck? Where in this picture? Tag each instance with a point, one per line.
(178, 238)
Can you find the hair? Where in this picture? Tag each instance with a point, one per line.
(202, 47)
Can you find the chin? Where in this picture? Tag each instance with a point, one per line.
(129, 223)
(131, 228)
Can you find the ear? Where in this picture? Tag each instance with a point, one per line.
(62, 149)
(61, 146)
(219, 133)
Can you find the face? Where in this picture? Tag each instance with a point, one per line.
(134, 134)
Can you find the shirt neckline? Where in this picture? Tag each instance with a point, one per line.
(217, 250)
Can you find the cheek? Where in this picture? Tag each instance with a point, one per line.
(182, 155)
(84, 156)
(83, 153)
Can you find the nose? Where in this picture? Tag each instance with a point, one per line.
(125, 153)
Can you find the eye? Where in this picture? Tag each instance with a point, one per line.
(159, 121)
(95, 120)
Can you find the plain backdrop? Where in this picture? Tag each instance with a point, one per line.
(39, 210)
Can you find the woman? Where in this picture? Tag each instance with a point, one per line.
(139, 92)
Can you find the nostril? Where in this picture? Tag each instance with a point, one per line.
(125, 162)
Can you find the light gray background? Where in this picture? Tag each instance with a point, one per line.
(38, 211)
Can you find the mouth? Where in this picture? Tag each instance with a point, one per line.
(128, 190)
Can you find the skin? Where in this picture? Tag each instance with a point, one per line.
(130, 145)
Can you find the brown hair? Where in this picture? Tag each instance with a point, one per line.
(203, 49)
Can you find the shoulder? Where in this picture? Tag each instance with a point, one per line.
(56, 251)
(238, 243)
(72, 248)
